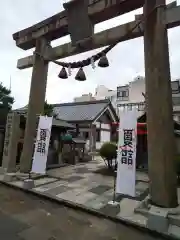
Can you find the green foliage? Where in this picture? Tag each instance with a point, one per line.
(48, 109)
(6, 100)
(108, 151)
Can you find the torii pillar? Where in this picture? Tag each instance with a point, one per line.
(161, 140)
(36, 103)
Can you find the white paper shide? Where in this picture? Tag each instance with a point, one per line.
(126, 172)
(42, 145)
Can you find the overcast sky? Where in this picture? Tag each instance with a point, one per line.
(126, 59)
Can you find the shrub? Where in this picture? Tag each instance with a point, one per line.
(108, 152)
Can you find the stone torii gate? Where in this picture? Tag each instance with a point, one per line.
(157, 18)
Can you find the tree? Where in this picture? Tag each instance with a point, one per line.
(48, 110)
(6, 100)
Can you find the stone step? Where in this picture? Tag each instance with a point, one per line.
(174, 220)
(174, 231)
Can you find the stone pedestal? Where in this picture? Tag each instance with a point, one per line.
(2, 170)
(28, 184)
(158, 220)
(9, 177)
(114, 207)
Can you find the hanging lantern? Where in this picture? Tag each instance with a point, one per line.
(103, 62)
(63, 74)
(80, 75)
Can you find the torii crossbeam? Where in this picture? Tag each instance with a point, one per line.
(57, 25)
(102, 39)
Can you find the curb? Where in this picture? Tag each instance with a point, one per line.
(91, 211)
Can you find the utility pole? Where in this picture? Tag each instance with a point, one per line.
(161, 139)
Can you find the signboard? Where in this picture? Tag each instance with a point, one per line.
(42, 145)
(126, 157)
(11, 142)
(8, 134)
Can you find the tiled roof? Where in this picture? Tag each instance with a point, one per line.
(21, 110)
(77, 111)
(80, 111)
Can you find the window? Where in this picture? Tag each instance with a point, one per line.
(122, 94)
(176, 101)
(98, 135)
(141, 106)
(175, 87)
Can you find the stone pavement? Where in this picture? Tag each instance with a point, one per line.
(82, 186)
(26, 217)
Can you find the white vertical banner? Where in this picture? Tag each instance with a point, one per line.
(42, 145)
(126, 157)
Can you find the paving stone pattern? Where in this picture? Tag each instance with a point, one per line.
(85, 186)
(81, 184)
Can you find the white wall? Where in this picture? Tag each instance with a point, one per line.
(101, 92)
(98, 124)
(105, 136)
(105, 126)
(136, 88)
(84, 98)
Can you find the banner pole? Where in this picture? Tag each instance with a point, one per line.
(114, 193)
(114, 206)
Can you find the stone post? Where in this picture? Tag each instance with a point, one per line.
(36, 103)
(11, 142)
(92, 138)
(161, 140)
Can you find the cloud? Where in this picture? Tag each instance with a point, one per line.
(126, 59)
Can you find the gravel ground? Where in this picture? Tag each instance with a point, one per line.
(26, 217)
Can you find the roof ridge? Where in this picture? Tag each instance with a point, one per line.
(81, 103)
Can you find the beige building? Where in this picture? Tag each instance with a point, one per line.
(131, 96)
(85, 98)
(101, 93)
